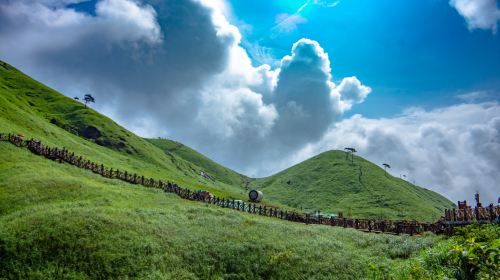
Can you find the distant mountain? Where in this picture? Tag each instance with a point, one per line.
(331, 183)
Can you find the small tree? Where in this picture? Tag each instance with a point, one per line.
(350, 151)
(76, 98)
(88, 99)
(385, 167)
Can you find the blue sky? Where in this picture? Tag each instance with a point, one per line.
(412, 53)
(415, 84)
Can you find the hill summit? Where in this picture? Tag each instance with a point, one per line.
(331, 183)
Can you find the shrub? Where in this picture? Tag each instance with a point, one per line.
(472, 253)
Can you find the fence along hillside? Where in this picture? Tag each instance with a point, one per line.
(452, 217)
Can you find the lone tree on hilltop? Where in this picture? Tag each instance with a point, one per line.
(88, 99)
(385, 167)
(76, 98)
(350, 151)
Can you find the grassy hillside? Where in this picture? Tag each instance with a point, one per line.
(215, 171)
(61, 222)
(330, 183)
(327, 182)
(29, 107)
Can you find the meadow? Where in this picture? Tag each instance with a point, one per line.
(61, 222)
(58, 221)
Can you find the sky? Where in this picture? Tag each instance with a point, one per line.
(261, 85)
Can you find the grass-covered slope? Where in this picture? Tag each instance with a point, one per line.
(327, 182)
(61, 222)
(214, 170)
(331, 183)
(28, 107)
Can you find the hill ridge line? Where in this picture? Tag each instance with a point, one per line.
(488, 214)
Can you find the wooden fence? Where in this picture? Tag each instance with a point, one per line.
(452, 217)
(488, 214)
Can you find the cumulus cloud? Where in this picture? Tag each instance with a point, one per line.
(254, 116)
(352, 92)
(304, 95)
(453, 150)
(153, 56)
(236, 112)
(125, 15)
(479, 14)
(178, 69)
(51, 26)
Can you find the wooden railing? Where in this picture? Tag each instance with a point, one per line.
(452, 217)
(468, 215)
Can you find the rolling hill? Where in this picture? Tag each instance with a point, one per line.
(28, 107)
(327, 182)
(330, 183)
(61, 222)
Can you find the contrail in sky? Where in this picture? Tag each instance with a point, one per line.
(301, 8)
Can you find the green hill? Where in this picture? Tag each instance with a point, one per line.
(61, 222)
(326, 182)
(28, 107)
(331, 183)
(214, 170)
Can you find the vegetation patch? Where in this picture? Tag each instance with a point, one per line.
(472, 253)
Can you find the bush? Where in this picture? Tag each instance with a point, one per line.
(472, 253)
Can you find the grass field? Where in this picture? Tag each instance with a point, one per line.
(58, 221)
(61, 222)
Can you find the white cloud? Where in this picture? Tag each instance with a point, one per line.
(453, 150)
(178, 69)
(236, 113)
(479, 14)
(30, 28)
(304, 95)
(129, 20)
(352, 92)
(475, 96)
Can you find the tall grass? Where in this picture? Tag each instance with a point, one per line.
(57, 221)
(472, 253)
